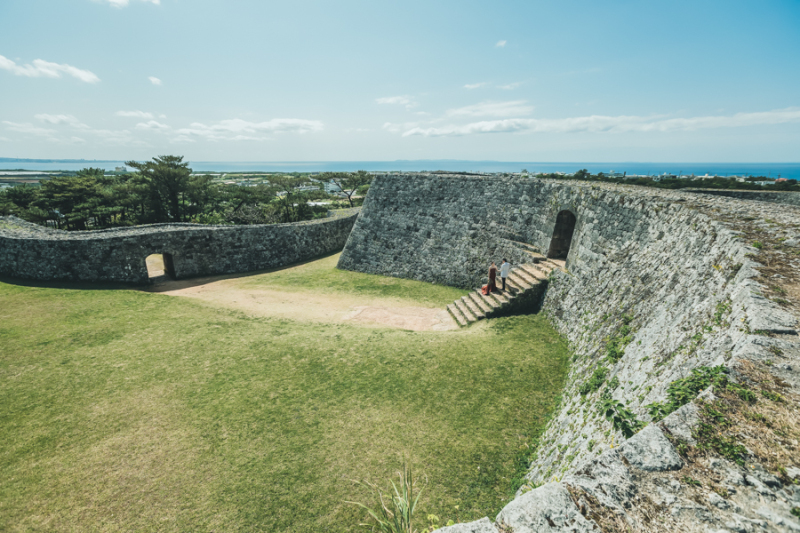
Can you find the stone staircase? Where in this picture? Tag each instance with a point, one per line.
(524, 287)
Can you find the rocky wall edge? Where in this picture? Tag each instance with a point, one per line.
(587, 477)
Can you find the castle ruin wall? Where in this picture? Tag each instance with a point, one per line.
(665, 263)
(28, 251)
(788, 198)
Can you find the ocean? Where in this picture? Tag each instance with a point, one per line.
(771, 170)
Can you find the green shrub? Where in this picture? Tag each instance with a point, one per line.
(709, 436)
(682, 391)
(620, 417)
(595, 382)
(774, 396)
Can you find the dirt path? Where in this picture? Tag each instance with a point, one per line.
(306, 305)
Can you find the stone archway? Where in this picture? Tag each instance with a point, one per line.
(160, 266)
(562, 235)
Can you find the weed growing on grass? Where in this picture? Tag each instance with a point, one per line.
(395, 512)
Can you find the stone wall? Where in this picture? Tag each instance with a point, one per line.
(28, 251)
(662, 270)
(789, 198)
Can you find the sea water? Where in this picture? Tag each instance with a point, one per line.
(770, 170)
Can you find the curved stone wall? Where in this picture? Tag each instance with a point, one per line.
(29, 251)
(666, 270)
(789, 198)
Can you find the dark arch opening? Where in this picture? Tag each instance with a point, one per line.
(160, 266)
(562, 235)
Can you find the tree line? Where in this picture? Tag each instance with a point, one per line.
(675, 182)
(166, 190)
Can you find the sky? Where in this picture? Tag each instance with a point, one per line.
(257, 80)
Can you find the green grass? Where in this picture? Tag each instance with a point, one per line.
(321, 275)
(128, 411)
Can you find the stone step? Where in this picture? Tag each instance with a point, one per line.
(473, 307)
(488, 300)
(545, 268)
(536, 256)
(457, 315)
(521, 273)
(466, 312)
(477, 297)
(534, 271)
(514, 285)
(525, 246)
(519, 280)
(500, 297)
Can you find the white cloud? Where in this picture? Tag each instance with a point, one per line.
(61, 119)
(152, 125)
(606, 124)
(398, 100)
(471, 86)
(492, 109)
(397, 128)
(29, 129)
(501, 44)
(41, 68)
(510, 86)
(135, 114)
(154, 80)
(115, 137)
(242, 130)
(124, 3)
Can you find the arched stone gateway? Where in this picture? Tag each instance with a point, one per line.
(562, 235)
(160, 266)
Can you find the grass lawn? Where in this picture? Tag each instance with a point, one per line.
(128, 411)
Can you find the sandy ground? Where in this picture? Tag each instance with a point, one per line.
(155, 265)
(306, 305)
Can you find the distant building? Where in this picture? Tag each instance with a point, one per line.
(331, 187)
(120, 169)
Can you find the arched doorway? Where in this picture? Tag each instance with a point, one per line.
(562, 235)
(160, 265)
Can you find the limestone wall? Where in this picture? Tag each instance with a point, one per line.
(28, 251)
(789, 198)
(662, 268)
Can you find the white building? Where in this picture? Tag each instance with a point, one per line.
(331, 187)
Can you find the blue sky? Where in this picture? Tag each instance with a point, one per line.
(242, 80)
